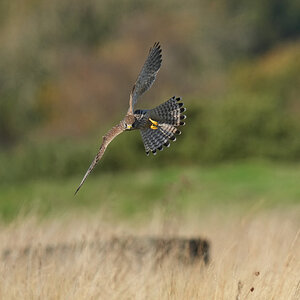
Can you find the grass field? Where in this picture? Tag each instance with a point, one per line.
(249, 212)
(254, 256)
(176, 189)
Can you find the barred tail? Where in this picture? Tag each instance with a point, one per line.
(169, 116)
(169, 112)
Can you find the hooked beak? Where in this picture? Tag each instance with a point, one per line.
(128, 126)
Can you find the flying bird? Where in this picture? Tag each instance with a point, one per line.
(158, 125)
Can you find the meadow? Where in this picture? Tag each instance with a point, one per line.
(130, 194)
(232, 178)
(249, 212)
(254, 255)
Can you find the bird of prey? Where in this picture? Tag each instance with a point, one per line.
(158, 125)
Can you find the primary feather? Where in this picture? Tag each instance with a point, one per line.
(147, 75)
(116, 130)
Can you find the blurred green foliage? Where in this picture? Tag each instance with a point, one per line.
(250, 186)
(259, 127)
(65, 69)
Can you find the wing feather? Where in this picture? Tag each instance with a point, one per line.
(147, 75)
(116, 130)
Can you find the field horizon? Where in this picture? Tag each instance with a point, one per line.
(174, 189)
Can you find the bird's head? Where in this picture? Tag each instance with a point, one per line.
(128, 122)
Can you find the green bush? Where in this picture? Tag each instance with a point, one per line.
(253, 113)
(240, 127)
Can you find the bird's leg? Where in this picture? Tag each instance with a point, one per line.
(154, 124)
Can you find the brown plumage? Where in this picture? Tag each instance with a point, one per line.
(156, 125)
(116, 130)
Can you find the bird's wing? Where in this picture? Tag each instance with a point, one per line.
(116, 130)
(147, 75)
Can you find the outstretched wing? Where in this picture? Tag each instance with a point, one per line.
(116, 130)
(147, 75)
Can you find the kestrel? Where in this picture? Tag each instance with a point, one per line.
(156, 125)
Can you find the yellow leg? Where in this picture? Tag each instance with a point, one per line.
(153, 122)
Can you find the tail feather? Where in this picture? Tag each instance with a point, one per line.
(169, 116)
(168, 112)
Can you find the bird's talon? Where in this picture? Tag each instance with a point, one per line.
(153, 127)
(153, 122)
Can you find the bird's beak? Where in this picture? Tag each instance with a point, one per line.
(129, 126)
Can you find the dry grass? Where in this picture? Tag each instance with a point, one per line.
(253, 257)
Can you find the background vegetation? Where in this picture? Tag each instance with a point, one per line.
(67, 69)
